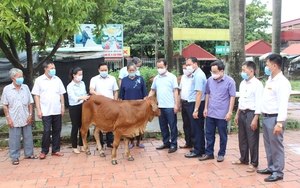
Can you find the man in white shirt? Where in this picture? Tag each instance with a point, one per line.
(123, 72)
(184, 88)
(104, 84)
(48, 93)
(247, 116)
(274, 106)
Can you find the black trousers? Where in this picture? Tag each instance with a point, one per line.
(187, 127)
(54, 122)
(198, 128)
(109, 138)
(75, 116)
(248, 139)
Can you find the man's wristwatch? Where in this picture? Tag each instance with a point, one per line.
(279, 125)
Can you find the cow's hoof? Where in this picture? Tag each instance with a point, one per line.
(102, 155)
(130, 158)
(114, 162)
(88, 152)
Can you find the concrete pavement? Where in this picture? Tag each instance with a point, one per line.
(151, 168)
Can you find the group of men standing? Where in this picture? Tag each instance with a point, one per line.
(206, 105)
(211, 102)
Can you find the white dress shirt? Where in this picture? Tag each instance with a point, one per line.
(49, 91)
(185, 86)
(250, 95)
(276, 96)
(106, 86)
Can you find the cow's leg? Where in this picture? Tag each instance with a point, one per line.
(97, 138)
(117, 137)
(127, 151)
(83, 132)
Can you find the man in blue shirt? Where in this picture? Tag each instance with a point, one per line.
(196, 100)
(166, 87)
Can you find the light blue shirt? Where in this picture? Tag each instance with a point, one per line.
(164, 86)
(198, 84)
(75, 91)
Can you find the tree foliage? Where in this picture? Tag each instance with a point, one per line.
(33, 25)
(140, 18)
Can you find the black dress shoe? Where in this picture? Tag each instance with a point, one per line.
(265, 171)
(273, 178)
(206, 157)
(172, 149)
(110, 146)
(185, 146)
(191, 155)
(162, 147)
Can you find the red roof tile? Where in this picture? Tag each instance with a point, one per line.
(293, 49)
(257, 48)
(196, 51)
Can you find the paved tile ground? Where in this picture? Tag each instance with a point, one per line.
(151, 168)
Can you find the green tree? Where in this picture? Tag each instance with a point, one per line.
(139, 18)
(33, 25)
(257, 21)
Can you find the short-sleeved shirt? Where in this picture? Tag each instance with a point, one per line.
(123, 73)
(219, 96)
(164, 86)
(198, 84)
(133, 89)
(49, 91)
(250, 95)
(75, 91)
(185, 86)
(106, 86)
(276, 96)
(18, 103)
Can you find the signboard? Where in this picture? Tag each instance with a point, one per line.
(222, 50)
(126, 51)
(111, 41)
(200, 34)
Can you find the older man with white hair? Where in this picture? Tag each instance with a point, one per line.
(17, 105)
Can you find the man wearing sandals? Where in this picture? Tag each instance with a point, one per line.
(17, 105)
(247, 116)
(48, 93)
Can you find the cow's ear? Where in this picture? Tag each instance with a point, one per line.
(154, 107)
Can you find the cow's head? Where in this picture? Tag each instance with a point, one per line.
(155, 111)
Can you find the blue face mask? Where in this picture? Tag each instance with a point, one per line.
(19, 81)
(267, 71)
(244, 75)
(103, 74)
(131, 74)
(52, 72)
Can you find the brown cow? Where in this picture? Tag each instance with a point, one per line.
(126, 118)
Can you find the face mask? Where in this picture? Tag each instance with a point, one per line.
(215, 76)
(185, 72)
(52, 72)
(267, 71)
(19, 81)
(78, 78)
(244, 75)
(131, 74)
(161, 71)
(103, 74)
(189, 69)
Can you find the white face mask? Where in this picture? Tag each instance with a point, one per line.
(161, 71)
(215, 76)
(185, 72)
(78, 78)
(189, 69)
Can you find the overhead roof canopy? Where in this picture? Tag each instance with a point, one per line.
(193, 50)
(257, 48)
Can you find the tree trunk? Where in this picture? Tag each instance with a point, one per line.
(237, 11)
(276, 23)
(168, 32)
